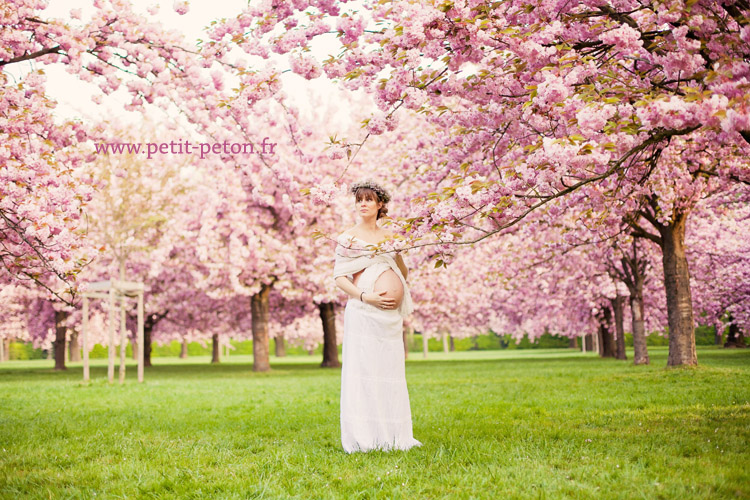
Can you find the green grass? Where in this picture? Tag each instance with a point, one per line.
(704, 335)
(495, 424)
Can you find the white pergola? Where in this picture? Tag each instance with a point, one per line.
(111, 290)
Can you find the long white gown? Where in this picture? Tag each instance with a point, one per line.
(375, 410)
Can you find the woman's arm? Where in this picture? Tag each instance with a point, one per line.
(374, 299)
(401, 265)
(346, 285)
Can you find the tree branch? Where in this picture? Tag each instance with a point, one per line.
(735, 9)
(33, 55)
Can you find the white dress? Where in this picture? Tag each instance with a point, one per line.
(375, 411)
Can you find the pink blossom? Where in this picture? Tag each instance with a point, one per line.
(376, 125)
(323, 194)
(551, 90)
(181, 7)
(306, 66)
(624, 38)
(350, 28)
(592, 118)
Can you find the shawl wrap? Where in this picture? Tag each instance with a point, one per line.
(352, 258)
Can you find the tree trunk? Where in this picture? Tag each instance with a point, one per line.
(451, 343)
(183, 350)
(573, 343)
(607, 340)
(634, 277)
(640, 349)
(259, 311)
(617, 305)
(330, 351)
(735, 338)
(74, 347)
(6, 351)
(149, 323)
(445, 342)
(679, 300)
(588, 341)
(717, 336)
(60, 331)
(147, 327)
(215, 348)
(279, 347)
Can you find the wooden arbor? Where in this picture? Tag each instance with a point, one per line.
(111, 290)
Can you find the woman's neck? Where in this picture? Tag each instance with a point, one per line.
(369, 225)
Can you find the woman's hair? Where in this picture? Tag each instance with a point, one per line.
(366, 193)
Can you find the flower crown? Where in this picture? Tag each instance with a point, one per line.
(370, 184)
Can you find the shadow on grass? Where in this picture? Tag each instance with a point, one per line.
(724, 358)
(182, 370)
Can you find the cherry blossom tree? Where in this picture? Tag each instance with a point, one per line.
(136, 218)
(494, 120)
(631, 270)
(638, 108)
(719, 263)
(42, 198)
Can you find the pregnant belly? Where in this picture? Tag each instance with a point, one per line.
(389, 282)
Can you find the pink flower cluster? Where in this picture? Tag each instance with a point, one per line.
(306, 66)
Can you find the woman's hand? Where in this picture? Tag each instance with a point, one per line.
(379, 300)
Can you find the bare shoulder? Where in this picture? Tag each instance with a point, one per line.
(348, 232)
(347, 237)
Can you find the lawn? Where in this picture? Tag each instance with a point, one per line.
(495, 424)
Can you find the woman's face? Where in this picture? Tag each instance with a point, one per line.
(368, 207)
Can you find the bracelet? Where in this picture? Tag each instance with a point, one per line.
(360, 296)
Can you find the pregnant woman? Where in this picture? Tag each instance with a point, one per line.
(375, 411)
